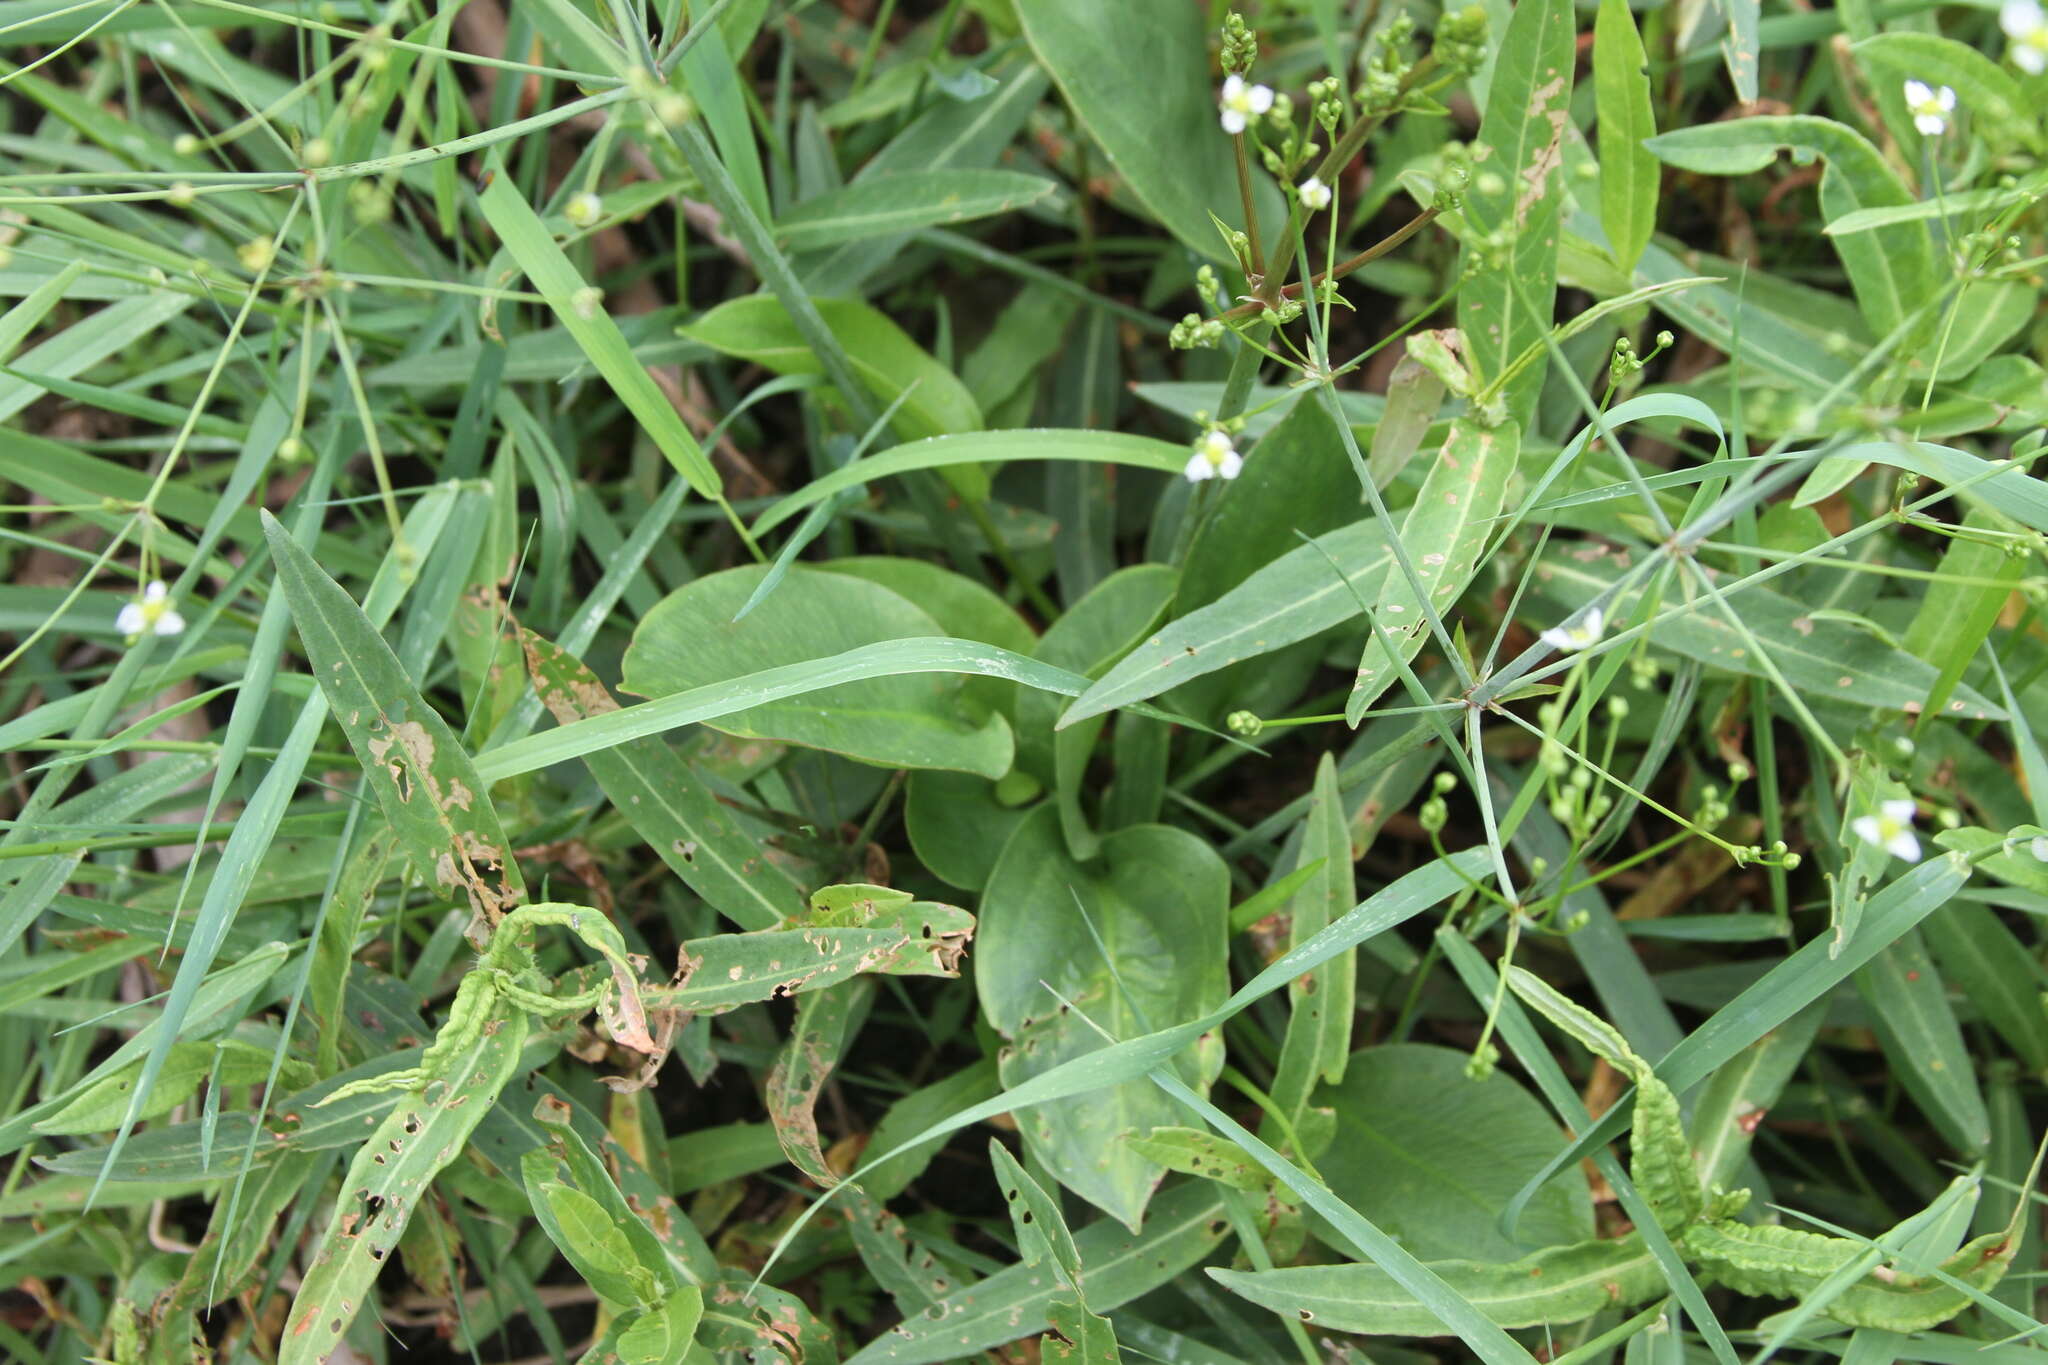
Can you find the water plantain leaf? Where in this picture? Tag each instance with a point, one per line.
(1429, 1155)
(1443, 535)
(892, 366)
(1892, 269)
(904, 201)
(1156, 901)
(1302, 593)
(1516, 200)
(1150, 128)
(691, 640)
(1628, 172)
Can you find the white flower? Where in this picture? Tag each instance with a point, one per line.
(1214, 457)
(2026, 24)
(1929, 107)
(151, 614)
(583, 208)
(1242, 103)
(1315, 195)
(1891, 829)
(1580, 634)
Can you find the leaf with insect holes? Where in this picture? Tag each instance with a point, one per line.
(424, 780)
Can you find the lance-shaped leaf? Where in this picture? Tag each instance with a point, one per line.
(1443, 535)
(419, 1137)
(1554, 1286)
(1516, 199)
(425, 782)
(825, 1022)
(819, 948)
(1318, 1042)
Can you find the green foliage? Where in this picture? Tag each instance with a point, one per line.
(620, 621)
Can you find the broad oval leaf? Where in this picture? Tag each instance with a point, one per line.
(1157, 899)
(1431, 1155)
(690, 640)
(1157, 122)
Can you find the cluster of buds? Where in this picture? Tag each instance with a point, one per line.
(1433, 813)
(1195, 332)
(1387, 73)
(1461, 40)
(1625, 362)
(1578, 805)
(1294, 148)
(1326, 102)
(1240, 45)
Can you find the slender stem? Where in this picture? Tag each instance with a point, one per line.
(1343, 268)
(1251, 218)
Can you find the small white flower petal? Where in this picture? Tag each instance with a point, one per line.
(1867, 828)
(1899, 812)
(1260, 98)
(2020, 18)
(1233, 88)
(1930, 125)
(1946, 98)
(1231, 465)
(1198, 468)
(1216, 445)
(170, 623)
(155, 592)
(1918, 92)
(1903, 845)
(129, 620)
(2030, 59)
(1233, 121)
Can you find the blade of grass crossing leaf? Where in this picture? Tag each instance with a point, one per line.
(887, 658)
(666, 803)
(552, 274)
(1918, 1028)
